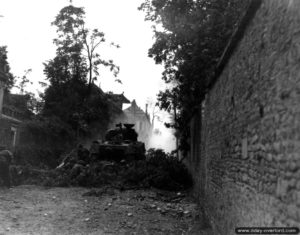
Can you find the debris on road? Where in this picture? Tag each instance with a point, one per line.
(153, 189)
(72, 215)
(158, 170)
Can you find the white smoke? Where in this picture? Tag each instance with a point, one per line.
(165, 140)
(162, 137)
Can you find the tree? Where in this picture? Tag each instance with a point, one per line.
(189, 42)
(94, 59)
(4, 65)
(23, 81)
(152, 109)
(71, 94)
(79, 43)
(168, 100)
(34, 103)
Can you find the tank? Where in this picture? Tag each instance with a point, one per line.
(121, 144)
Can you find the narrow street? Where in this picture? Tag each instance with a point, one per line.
(41, 210)
(150, 117)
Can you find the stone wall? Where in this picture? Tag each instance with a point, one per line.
(247, 167)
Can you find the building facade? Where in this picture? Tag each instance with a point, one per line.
(141, 120)
(13, 110)
(134, 114)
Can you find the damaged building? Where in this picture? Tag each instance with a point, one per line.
(135, 115)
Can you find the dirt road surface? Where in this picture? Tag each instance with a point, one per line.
(40, 210)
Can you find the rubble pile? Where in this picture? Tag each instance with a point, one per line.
(159, 170)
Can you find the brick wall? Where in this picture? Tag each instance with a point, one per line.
(247, 167)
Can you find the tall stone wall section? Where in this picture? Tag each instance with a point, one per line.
(247, 167)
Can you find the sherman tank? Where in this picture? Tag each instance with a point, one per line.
(121, 144)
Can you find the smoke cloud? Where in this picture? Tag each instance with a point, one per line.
(162, 138)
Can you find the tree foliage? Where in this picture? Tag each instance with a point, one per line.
(9, 82)
(22, 82)
(190, 36)
(77, 45)
(71, 95)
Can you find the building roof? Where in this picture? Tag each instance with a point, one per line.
(118, 98)
(3, 116)
(16, 101)
(96, 91)
(134, 109)
(15, 106)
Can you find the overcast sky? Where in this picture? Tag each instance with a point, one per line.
(26, 30)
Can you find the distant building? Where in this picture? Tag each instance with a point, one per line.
(138, 117)
(118, 99)
(141, 119)
(132, 114)
(13, 110)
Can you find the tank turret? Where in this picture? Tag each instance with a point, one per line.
(120, 133)
(122, 143)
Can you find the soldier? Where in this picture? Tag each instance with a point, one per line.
(6, 158)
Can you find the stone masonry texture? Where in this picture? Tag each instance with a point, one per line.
(245, 142)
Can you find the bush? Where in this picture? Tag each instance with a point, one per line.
(42, 141)
(159, 170)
